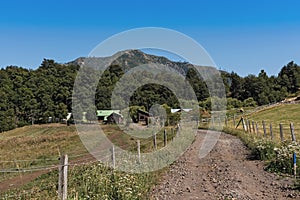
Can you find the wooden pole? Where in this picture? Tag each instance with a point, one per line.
(249, 124)
(253, 127)
(281, 132)
(271, 131)
(257, 131)
(292, 132)
(165, 137)
(113, 156)
(264, 128)
(63, 177)
(213, 121)
(139, 151)
(244, 125)
(154, 141)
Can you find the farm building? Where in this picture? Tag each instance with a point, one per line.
(115, 118)
(143, 116)
(180, 110)
(102, 115)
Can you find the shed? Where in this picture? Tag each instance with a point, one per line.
(115, 118)
(103, 114)
(143, 116)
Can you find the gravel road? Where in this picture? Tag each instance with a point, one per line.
(225, 173)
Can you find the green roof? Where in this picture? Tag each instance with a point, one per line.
(106, 113)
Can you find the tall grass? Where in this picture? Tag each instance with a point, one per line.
(93, 181)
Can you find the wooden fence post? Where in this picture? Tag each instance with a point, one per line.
(165, 137)
(113, 156)
(253, 127)
(63, 177)
(271, 131)
(244, 125)
(264, 127)
(213, 121)
(281, 132)
(292, 132)
(154, 141)
(257, 131)
(139, 151)
(249, 124)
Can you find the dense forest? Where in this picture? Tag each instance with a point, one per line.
(32, 96)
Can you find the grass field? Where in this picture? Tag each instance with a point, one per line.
(37, 147)
(284, 114)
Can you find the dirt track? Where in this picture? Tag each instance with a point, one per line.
(225, 173)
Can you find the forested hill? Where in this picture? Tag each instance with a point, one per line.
(32, 96)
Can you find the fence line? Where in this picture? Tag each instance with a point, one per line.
(266, 129)
(161, 140)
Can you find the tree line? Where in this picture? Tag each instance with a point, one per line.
(32, 96)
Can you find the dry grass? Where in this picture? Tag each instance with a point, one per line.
(38, 146)
(284, 114)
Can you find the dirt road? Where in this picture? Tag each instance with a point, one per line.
(225, 173)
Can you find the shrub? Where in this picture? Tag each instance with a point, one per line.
(263, 149)
(283, 160)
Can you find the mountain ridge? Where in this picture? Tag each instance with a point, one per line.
(128, 59)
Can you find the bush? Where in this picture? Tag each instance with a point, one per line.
(283, 160)
(279, 157)
(263, 149)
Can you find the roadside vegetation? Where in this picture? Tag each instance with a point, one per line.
(277, 155)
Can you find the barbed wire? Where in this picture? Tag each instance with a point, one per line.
(33, 160)
(14, 170)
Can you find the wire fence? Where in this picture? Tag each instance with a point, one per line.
(12, 171)
(275, 131)
(278, 132)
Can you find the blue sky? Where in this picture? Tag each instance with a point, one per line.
(241, 36)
